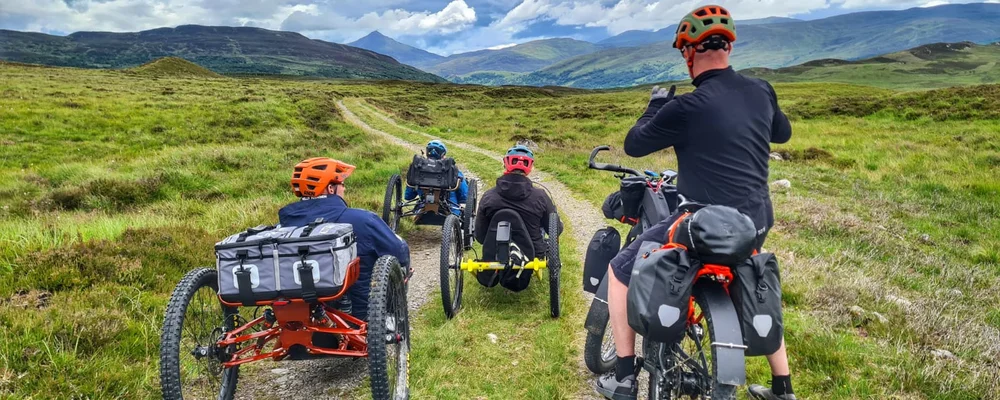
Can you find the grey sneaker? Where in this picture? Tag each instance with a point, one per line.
(626, 389)
(762, 393)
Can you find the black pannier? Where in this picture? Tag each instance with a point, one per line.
(632, 191)
(602, 248)
(756, 293)
(659, 294)
(612, 207)
(435, 174)
(717, 235)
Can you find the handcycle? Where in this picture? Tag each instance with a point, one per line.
(434, 181)
(508, 253)
(206, 339)
(700, 365)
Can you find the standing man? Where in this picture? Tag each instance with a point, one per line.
(721, 134)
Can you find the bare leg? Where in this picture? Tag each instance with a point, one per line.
(778, 360)
(618, 308)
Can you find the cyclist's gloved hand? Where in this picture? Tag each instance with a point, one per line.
(663, 93)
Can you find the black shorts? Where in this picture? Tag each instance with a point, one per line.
(653, 238)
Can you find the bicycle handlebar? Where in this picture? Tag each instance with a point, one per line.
(609, 167)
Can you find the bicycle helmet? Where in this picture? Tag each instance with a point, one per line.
(518, 158)
(436, 150)
(312, 176)
(712, 27)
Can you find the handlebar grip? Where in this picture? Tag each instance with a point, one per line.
(593, 153)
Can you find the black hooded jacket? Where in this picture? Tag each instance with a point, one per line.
(516, 192)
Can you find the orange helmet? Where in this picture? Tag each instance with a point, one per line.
(312, 176)
(705, 22)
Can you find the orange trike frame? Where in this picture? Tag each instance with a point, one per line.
(295, 325)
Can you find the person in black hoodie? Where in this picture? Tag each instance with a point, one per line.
(516, 192)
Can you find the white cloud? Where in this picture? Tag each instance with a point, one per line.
(624, 15)
(501, 46)
(454, 17)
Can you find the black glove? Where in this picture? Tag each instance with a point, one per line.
(663, 93)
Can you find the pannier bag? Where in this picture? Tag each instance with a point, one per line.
(716, 235)
(437, 174)
(267, 262)
(632, 191)
(602, 248)
(659, 294)
(612, 207)
(756, 293)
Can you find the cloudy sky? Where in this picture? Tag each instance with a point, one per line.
(442, 26)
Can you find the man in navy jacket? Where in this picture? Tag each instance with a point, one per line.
(319, 182)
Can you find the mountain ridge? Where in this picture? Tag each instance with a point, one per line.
(402, 52)
(222, 49)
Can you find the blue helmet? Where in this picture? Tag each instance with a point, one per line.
(436, 149)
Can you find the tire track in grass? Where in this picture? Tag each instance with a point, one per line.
(580, 217)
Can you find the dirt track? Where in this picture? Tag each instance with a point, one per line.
(332, 379)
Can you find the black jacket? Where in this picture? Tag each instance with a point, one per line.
(516, 192)
(721, 133)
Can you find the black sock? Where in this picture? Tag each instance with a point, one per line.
(625, 367)
(781, 385)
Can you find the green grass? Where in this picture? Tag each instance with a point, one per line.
(872, 171)
(114, 185)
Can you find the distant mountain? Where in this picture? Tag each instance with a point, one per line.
(639, 38)
(403, 53)
(525, 57)
(848, 37)
(928, 66)
(225, 50)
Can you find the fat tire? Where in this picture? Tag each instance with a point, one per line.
(451, 239)
(469, 214)
(173, 327)
(390, 205)
(719, 391)
(593, 348)
(554, 265)
(387, 277)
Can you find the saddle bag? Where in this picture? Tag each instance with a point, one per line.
(756, 293)
(603, 247)
(268, 262)
(632, 190)
(716, 235)
(612, 207)
(436, 174)
(659, 294)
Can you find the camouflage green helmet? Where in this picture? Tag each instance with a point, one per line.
(705, 22)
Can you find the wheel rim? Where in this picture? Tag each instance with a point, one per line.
(397, 349)
(687, 365)
(608, 344)
(201, 377)
(454, 267)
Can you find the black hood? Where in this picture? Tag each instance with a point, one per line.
(514, 187)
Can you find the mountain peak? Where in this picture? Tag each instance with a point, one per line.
(402, 52)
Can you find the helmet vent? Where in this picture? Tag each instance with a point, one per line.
(714, 10)
(694, 30)
(708, 21)
(723, 11)
(701, 13)
(321, 167)
(312, 179)
(725, 21)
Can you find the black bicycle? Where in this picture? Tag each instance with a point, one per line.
(709, 361)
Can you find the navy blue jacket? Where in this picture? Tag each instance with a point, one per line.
(722, 134)
(374, 239)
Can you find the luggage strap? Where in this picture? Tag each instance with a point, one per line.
(309, 228)
(253, 231)
(243, 279)
(306, 277)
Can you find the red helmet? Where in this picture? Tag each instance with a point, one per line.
(312, 176)
(518, 158)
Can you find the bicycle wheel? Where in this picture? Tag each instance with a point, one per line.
(194, 321)
(599, 348)
(469, 214)
(388, 332)
(392, 204)
(690, 369)
(451, 261)
(554, 265)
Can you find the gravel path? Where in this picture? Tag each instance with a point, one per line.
(582, 217)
